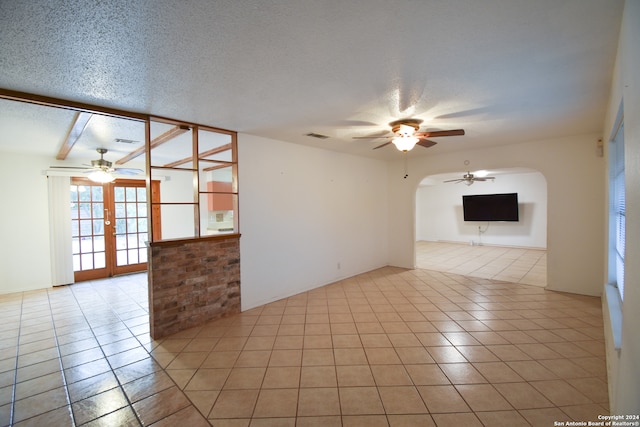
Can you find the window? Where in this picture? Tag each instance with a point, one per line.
(617, 223)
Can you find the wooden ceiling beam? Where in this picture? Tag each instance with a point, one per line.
(178, 162)
(220, 166)
(160, 139)
(216, 150)
(80, 121)
(211, 152)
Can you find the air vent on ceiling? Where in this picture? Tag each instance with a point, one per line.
(127, 141)
(317, 135)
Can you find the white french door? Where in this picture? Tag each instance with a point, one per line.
(110, 228)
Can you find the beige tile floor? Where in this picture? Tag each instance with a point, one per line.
(391, 347)
(524, 266)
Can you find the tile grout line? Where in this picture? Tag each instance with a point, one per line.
(15, 374)
(57, 343)
(59, 358)
(148, 351)
(91, 328)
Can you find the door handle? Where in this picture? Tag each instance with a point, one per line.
(107, 220)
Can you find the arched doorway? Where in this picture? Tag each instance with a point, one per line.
(513, 251)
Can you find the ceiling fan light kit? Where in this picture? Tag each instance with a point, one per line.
(405, 143)
(404, 131)
(101, 176)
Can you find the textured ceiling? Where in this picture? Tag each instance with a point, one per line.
(506, 71)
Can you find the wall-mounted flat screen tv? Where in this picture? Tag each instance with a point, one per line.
(490, 207)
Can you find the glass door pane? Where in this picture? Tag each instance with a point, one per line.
(130, 231)
(88, 230)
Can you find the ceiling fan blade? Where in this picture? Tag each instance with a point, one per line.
(382, 145)
(455, 132)
(70, 167)
(353, 123)
(128, 171)
(454, 180)
(379, 134)
(426, 143)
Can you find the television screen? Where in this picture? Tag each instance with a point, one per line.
(490, 207)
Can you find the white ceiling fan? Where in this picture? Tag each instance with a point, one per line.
(469, 178)
(101, 170)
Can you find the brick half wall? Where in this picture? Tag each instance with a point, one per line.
(192, 282)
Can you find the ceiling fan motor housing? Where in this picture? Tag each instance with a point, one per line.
(101, 163)
(397, 125)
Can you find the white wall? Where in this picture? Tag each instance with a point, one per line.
(439, 212)
(624, 370)
(303, 211)
(573, 172)
(308, 217)
(24, 223)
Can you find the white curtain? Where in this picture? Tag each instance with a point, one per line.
(60, 230)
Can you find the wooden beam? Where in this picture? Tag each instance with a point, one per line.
(80, 121)
(211, 152)
(178, 162)
(160, 139)
(63, 103)
(221, 166)
(216, 150)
